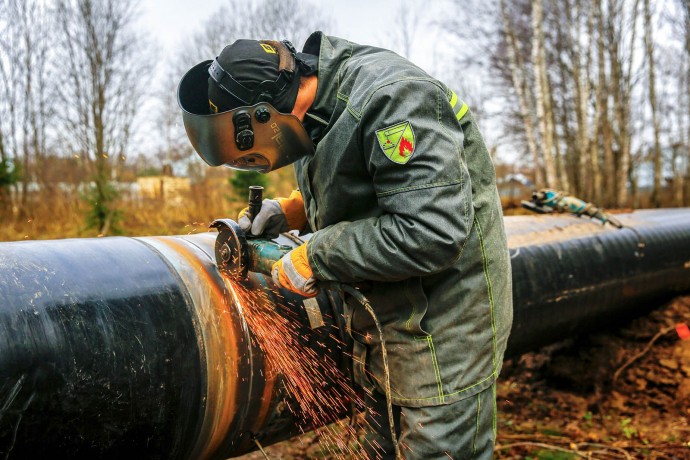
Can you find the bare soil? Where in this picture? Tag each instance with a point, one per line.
(620, 394)
(609, 395)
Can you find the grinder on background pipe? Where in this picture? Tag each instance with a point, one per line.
(548, 200)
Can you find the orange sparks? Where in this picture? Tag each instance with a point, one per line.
(321, 392)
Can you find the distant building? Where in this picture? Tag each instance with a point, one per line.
(173, 190)
(514, 186)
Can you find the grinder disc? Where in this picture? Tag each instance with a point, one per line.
(231, 252)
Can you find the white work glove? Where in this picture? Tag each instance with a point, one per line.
(276, 217)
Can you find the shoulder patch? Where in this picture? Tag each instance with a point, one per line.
(397, 142)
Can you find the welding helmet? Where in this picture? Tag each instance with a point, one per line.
(236, 108)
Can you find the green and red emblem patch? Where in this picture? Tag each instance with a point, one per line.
(397, 142)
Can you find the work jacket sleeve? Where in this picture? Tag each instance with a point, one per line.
(412, 146)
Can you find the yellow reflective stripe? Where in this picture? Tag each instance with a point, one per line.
(462, 112)
(454, 102)
(453, 99)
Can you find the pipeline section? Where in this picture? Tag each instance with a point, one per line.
(137, 347)
(572, 275)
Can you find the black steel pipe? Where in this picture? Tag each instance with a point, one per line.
(574, 275)
(137, 347)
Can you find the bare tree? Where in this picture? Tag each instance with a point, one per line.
(577, 56)
(36, 89)
(682, 21)
(105, 68)
(622, 59)
(686, 8)
(410, 19)
(604, 131)
(523, 92)
(572, 50)
(571, 82)
(24, 84)
(649, 51)
(672, 65)
(290, 20)
(9, 100)
(543, 93)
(574, 59)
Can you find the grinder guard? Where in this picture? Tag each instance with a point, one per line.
(249, 138)
(238, 253)
(231, 248)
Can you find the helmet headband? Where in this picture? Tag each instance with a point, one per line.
(265, 91)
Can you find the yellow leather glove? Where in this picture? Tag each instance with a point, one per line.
(276, 216)
(293, 273)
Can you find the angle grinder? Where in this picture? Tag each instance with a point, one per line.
(238, 253)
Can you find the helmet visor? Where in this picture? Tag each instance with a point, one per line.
(249, 138)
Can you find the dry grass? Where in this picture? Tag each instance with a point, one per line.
(63, 215)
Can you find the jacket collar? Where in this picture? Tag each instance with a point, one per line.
(332, 53)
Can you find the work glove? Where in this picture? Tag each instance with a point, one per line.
(294, 273)
(276, 216)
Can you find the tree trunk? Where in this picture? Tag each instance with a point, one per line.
(632, 177)
(677, 170)
(606, 196)
(601, 114)
(522, 92)
(649, 50)
(25, 22)
(5, 180)
(560, 112)
(686, 8)
(543, 93)
(583, 89)
(571, 141)
(621, 82)
(561, 168)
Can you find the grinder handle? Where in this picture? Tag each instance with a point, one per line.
(264, 253)
(256, 196)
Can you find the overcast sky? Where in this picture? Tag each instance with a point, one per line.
(170, 20)
(361, 21)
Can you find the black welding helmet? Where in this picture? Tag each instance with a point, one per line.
(244, 121)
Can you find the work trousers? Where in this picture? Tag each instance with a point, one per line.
(465, 429)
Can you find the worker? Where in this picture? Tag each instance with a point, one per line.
(398, 188)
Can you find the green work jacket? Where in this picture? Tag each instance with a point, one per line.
(401, 193)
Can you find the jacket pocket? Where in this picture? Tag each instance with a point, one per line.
(415, 375)
(399, 306)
